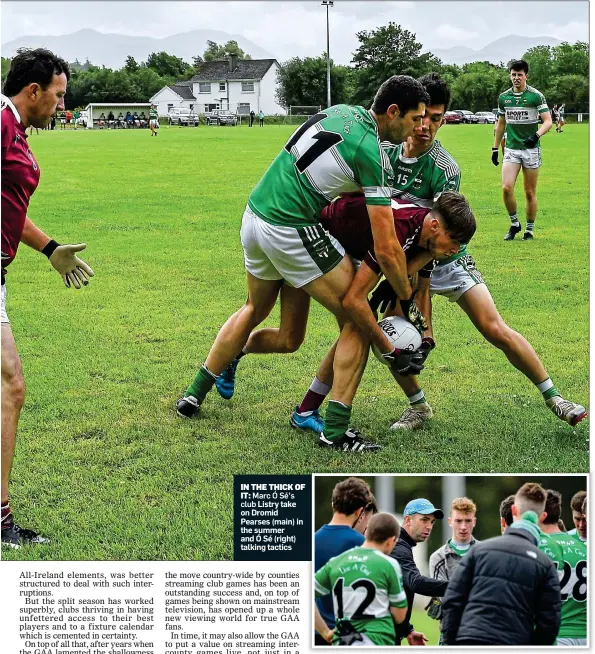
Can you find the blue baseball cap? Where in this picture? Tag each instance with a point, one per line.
(423, 506)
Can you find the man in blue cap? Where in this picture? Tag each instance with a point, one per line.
(419, 517)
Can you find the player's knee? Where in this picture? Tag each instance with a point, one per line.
(507, 188)
(291, 343)
(530, 194)
(13, 386)
(498, 333)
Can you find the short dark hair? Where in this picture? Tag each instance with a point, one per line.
(518, 64)
(577, 501)
(402, 90)
(561, 525)
(350, 495)
(584, 509)
(371, 506)
(530, 497)
(506, 509)
(436, 88)
(381, 527)
(456, 213)
(553, 507)
(33, 66)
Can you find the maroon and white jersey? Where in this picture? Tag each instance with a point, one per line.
(20, 177)
(348, 221)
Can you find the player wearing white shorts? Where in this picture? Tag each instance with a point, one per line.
(519, 109)
(336, 151)
(153, 120)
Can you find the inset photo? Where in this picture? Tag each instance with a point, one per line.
(484, 560)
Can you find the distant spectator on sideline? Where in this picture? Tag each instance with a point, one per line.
(77, 115)
(261, 118)
(68, 117)
(129, 119)
(252, 116)
(111, 120)
(62, 120)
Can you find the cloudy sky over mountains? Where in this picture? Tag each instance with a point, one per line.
(288, 29)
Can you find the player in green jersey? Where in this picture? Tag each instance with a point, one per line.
(570, 555)
(423, 169)
(519, 109)
(367, 589)
(336, 151)
(579, 516)
(153, 119)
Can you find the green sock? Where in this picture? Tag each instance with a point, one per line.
(202, 384)
(336, 420)
(547, 389)
(417, 398)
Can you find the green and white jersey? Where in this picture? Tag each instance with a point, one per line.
(335, 151)
(521, 112)
(570, 555)
(364, 584)
(575, 534)
(153, 115)
(422, 179)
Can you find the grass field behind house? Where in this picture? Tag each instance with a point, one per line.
(104, 466)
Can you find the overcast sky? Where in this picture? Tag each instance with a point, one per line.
(288, 29)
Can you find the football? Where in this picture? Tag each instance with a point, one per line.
(401, 333)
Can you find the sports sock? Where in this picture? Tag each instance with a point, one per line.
(529, 227)
(336, 420)
(243, 353)
(315, 396)
(202, 384)
(514, 219)
(417, 398)
(547, 389)
(7, 519)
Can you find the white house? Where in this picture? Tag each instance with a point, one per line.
(240, 85)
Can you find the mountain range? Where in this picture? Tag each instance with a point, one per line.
(111, 50)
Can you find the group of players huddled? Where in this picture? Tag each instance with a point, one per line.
(525, 587)
(356, 194)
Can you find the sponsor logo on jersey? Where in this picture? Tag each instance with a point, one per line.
(417, 182)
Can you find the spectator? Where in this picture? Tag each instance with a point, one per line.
(506, 591)
(261, 118)
(120, 120)
(353, 503)
(68, 117)
(62, 120)
(418, 520)
(252, 115)
(111, 119)
(102, 120)
(136, 120)
(129, 120)
(77, 115)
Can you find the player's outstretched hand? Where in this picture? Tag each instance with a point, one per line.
(531, 141)
(495, 156)
(400, 361)
(72, 269)
(416, 638)
(413, 314)
(383, 297)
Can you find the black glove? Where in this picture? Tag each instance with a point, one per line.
(420, 355)
(495, 156)
(413, 314)
(347, 634)
(434, 609)
(400, 361)
(383, 297)
(531, 141)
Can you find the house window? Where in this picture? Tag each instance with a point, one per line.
(222, 86)
(243, 108)
(247, 87)
(204, 87)
(169, 106)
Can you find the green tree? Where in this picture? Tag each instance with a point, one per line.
(303, 82)
(5, 68)
(540, 60)
(572, 90)
(216, 52)
(167, 65)
(571, 59)
(384, 52)
(478, 86)
(131, 66)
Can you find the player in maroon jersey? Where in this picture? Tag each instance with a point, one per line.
(33, 92)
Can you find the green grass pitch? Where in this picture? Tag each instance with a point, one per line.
(103, 465)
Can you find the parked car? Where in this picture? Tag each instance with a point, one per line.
(453, 117)
(467, 116)
(225, 117)
(182, 116)
(485, 117)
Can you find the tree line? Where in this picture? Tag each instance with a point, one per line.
(560, 72)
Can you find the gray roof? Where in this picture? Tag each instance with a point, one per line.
(184, 90)
(215, 71)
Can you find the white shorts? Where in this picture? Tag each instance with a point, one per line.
(4, 317)
(571, 642)
(298, 255)
(455, 278)
(529, 158)
(364, 642)
(154, 122)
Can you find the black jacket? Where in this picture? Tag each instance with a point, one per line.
(413, 580)
(504, 592)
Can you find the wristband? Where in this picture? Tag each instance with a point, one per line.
(428, 340)
(48, 250)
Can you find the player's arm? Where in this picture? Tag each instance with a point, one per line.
(398, 614)
(499, 133)
(546, 116)
(321, 627)
(62, 257)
